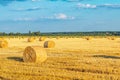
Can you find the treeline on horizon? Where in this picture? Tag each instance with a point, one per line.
(38, 33)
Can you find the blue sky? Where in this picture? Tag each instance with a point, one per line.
(59, 15)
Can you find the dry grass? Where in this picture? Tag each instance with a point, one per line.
(71, 59)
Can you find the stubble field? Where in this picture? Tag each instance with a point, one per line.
(71, 59)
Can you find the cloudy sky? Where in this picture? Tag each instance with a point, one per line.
(59, 15)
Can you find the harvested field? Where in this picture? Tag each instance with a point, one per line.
(70, 59)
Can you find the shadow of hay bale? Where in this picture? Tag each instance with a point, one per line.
(20, 59)
(106, 56)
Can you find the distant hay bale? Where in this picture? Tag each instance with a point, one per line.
(49, 44)
(108, 38)
(31, 39)
(111, 38)
(3, 44)
(42, 38)
(58, 37)
(2, 39)
(66, 37)
(34, 54)
(34, 38)
(88, 38)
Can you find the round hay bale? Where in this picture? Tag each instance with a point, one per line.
(3, 44)
(109, 38)
(49, 44)
(42, 38)
(58, 37)
(34, 54)
(2, 39)
(34, 38)
(66, 37)
(31, 39)
(87, 38)
(113, 38)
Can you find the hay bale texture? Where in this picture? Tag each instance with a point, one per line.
(2, 39)
(31, 39)
(49, 44)
(42, 38)
(34, 54)
(3, 44)
(88, 38)
(58, 37)
(111, 38)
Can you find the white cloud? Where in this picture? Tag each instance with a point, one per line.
(35, 0)
(24, 19)
(66, 0)
(80, 5)
(90, 6)
(62, 16)
(28, 9)
(110, 6)
(59, 16)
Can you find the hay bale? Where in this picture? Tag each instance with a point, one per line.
(34, 54)
(2, 39)
(108, 38)
(58, 37)
(31, 39)
(66, 37)
(35, 38)
(113, 38)
(42, 38)
(49, 44)
(87, 38)
(3, 44)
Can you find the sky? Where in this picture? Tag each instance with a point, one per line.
(59, 15)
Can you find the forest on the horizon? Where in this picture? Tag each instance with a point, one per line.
(38, 33)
